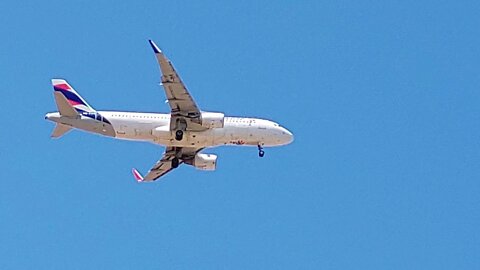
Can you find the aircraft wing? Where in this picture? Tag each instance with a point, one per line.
(180, 100)
(164, 165)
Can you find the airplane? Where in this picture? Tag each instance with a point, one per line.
(184, 132)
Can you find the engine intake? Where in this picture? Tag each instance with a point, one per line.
(207, 162)
(213, 119)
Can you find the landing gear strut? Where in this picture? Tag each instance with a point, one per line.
(261, 153)
(179, 135)
(175, 162)
(180, 126)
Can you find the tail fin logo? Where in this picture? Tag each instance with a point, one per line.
(73, 98)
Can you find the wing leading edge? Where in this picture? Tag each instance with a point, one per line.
(179, 99)
(164, 165)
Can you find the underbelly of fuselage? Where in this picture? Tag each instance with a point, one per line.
(208, 138)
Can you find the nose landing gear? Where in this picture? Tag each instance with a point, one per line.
(261, 153)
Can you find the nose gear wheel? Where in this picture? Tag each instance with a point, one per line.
(261, 153)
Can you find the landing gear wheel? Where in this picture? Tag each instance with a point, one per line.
(175, 163)
(261, 153)
(179, 135)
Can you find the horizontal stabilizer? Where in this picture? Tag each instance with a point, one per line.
(60, 130)
(64, 108)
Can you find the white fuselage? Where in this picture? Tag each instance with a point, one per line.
(155, 128)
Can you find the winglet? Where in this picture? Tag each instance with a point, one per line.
(154, 46)
(137, 175)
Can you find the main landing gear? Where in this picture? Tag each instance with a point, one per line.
(175, 162)
(179, 135)
(180, 126)
(261, 153)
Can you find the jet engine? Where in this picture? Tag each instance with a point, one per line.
(212, 119)
(206, 162)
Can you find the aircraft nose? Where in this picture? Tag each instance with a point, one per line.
(287, 135)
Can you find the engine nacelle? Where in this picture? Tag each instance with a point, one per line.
(207, 162)
(213, 119)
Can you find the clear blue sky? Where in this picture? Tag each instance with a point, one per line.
(382, 96)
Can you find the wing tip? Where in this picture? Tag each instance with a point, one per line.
(137, 175)
(154, 46)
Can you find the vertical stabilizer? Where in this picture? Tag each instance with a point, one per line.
(70, 96)
(63, 106)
